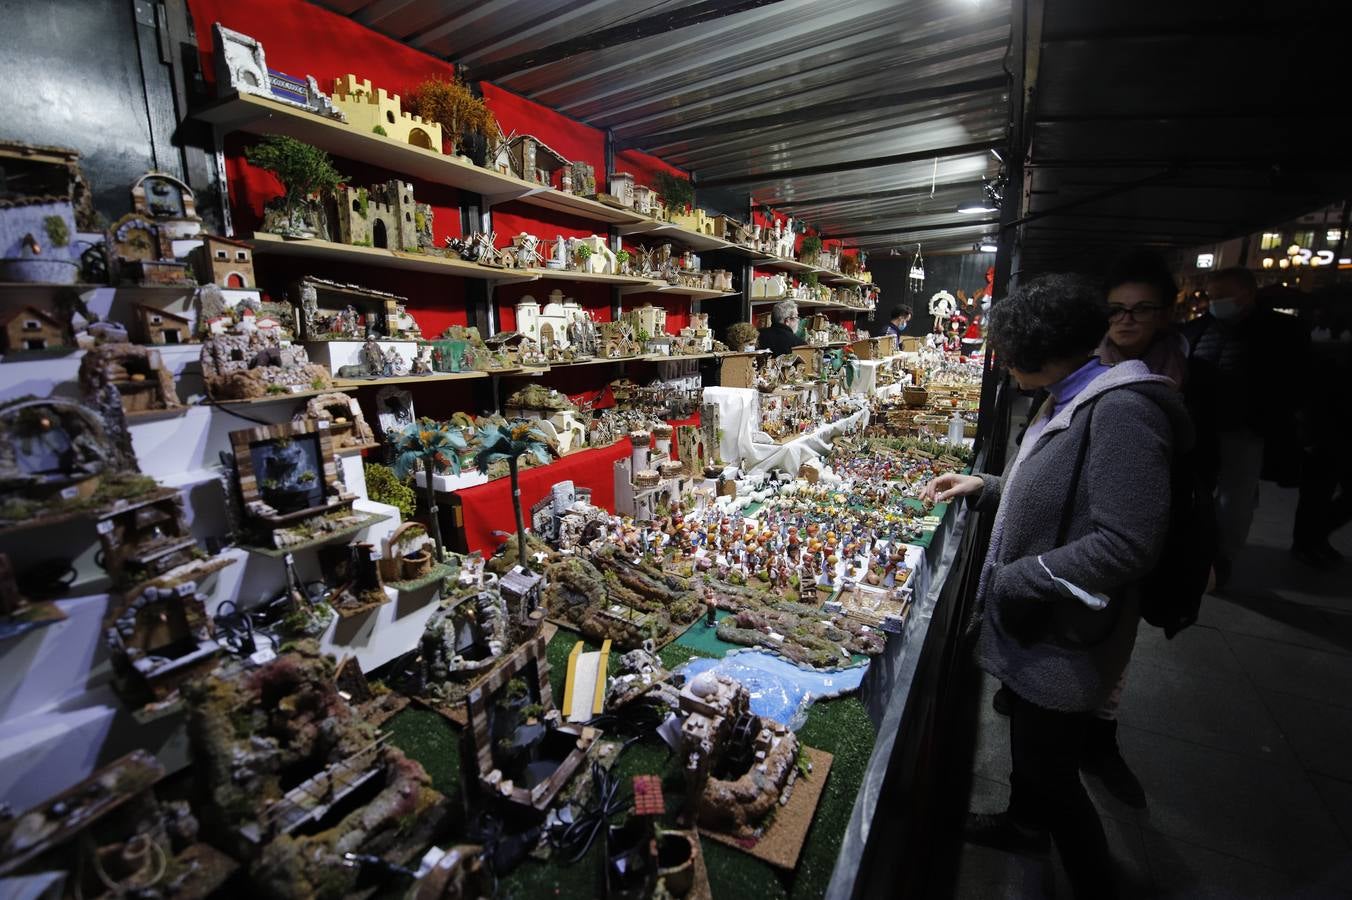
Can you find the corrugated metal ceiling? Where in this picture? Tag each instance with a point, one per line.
(799, 103)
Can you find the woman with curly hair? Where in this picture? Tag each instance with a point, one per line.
(1080, 518)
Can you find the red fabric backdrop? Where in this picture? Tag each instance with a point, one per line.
(644, 166)
(488, 507)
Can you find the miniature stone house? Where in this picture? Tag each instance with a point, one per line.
(142, 380)
(146, 538)
(160, 638)
(226, 262)
(383, 215)
(29, 328)
(341, 416)
(534, 160)
(245, 366)
(161, 327)
(367, 109)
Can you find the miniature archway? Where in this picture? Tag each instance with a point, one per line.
(379, 235)
(235, 280)
(419, 138)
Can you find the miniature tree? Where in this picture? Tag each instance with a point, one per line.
(437, 446)
(677, 193)
(510, 443)
(449, 103)
(810, 249)
(302, 169)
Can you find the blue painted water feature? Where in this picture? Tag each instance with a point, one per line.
(779, 689)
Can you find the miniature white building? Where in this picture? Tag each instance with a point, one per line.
(622, 188)
(548, 327)
(650, 320)
(368, 109)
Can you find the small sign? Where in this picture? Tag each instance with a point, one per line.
(104, 527)
(70, 493)
(1206, 260)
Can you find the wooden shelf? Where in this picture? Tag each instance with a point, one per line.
(329, 251)
(259, 115)
(678, 291)
(348, 383)
(652, 228)
(326, 538)
(271, 398)
(788, 265)
(573, 205)
(588, 277)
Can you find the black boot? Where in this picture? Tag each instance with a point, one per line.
(1003, 700)
(998, 830)
(1103, 758)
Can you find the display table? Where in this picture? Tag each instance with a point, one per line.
(866, 376)
(738, 411)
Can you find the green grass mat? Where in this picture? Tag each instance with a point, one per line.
(840, 727)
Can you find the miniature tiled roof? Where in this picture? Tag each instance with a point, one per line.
(648, 799)
(6, 318)
(350, 288)
(36, 200)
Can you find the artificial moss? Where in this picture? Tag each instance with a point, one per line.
(840, 727)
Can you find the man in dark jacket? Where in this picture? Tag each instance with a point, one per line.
(1080, 518)
(782, 335)
(1252, 354)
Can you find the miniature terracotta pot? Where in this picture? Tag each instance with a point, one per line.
(416, 564)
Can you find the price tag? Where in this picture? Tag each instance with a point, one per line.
(104, 527)
(262, 655)
(70, 493)
(323, 424)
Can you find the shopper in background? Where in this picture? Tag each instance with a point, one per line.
(1080, 517)
(782, 335)
(1254, 353)
(1325, 503)
(901, 317)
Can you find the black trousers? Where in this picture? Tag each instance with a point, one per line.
(1325, 503)
(1046, 793)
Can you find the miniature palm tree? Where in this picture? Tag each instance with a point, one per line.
(302, 169)
(511, 442)
(437, 446)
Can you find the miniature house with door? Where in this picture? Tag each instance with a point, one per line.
(330, 311)
(161, 327)
(224, 261)
(368, 110)
(30, 328)
(516, 748)
(622, 188)
(551, 326)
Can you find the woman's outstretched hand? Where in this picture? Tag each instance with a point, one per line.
(949, 487)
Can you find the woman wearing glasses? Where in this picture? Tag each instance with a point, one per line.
(1141, 293)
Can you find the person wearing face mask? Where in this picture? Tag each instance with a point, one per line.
(1249, 352)
(1081, 516)
(901, 317)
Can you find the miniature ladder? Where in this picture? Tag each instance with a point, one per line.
(584, 692)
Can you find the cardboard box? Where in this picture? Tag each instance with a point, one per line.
(911, 344)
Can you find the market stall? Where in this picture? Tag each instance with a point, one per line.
(398, 516)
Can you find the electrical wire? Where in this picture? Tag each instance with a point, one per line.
(576, 838)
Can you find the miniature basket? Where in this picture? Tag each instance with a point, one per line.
(914, 396)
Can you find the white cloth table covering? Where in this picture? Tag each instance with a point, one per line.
(738, 415)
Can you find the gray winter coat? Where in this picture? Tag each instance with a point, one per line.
(1040, 634)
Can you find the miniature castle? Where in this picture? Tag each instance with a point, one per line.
(368, 109)
(648, 478)
(384, 215)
